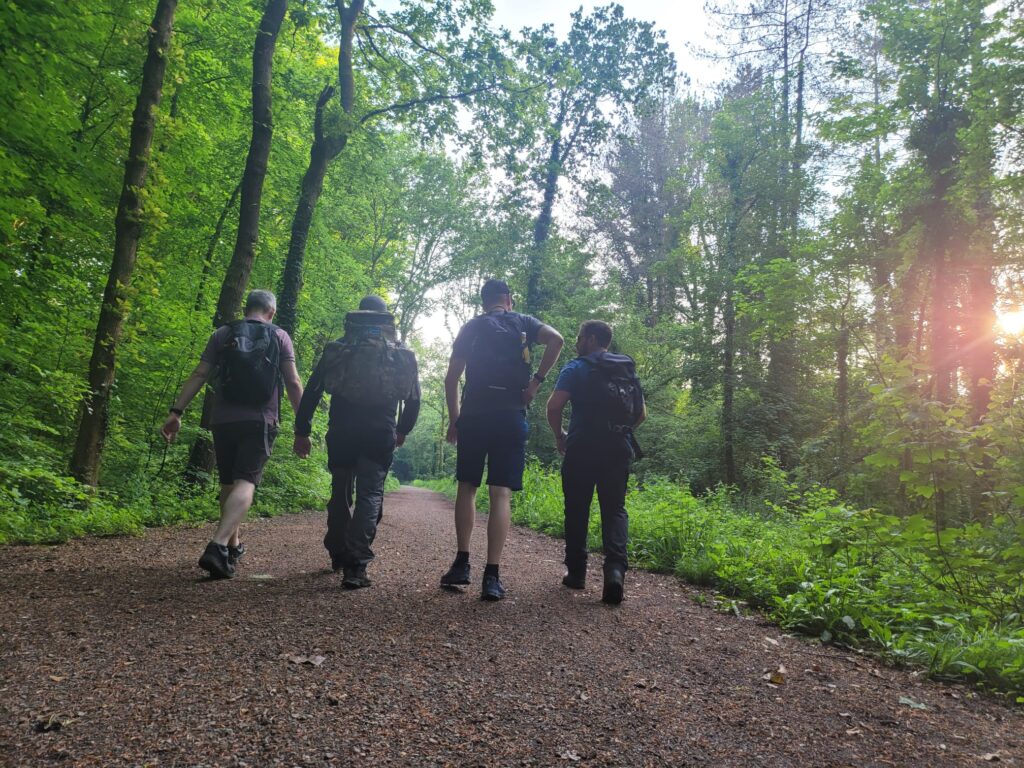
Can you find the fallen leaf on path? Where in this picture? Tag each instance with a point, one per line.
(570, 754)
(991, 757)
(911, 703)
(50, 723)
(778, 677)
(58, 678)
(313, 661)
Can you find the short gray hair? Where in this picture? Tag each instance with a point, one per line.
(261, 301)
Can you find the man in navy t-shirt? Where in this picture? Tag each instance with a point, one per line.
(597, 452)
(489, 425)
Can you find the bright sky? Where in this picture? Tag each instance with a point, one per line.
(684, 23)
(686, 26)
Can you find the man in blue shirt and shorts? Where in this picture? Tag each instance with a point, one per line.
(607, 403)
(489, 424)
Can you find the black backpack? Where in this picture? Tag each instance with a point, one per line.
(613, 391)
(498, 362)
(249, 363)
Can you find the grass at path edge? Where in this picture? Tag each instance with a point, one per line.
(849, 577)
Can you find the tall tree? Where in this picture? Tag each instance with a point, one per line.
(88, 450)
(738, 208)
(236, 278)
(422, 63)
(607, 63)
(778, 36)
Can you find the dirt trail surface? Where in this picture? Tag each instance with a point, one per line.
(117, 652)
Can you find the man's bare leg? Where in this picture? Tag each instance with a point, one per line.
(233, 509)
(224, 491)
(498, 521)
(465, 515)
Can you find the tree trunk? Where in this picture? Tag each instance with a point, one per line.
(542, 226)
(211, 248)
(236, 278)
(325, 148)
(979, 331)
(842, 405)
(941, 348)
(881, 289)
(85, 459)
(728, 388)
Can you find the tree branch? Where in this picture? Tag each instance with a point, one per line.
(318, 119)
(436, 98)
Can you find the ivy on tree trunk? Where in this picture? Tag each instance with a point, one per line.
(88, 450)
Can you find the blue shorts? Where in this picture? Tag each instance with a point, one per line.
(497, 437)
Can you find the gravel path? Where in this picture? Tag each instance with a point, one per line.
(116, 652)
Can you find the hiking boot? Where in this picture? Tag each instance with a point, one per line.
(493, 589)
(457, 576)
(575, 579)
(613, 586)
(215, 561)
(235, 553)
(355, 578)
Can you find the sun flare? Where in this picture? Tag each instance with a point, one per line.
(1011, 323)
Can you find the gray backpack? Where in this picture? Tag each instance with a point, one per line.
(369, 366)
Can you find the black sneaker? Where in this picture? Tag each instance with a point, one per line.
(457, 576)
(575, 580)
(493, 589)
(235, 553)
(355, 578)
(613, 587)
(215, 561)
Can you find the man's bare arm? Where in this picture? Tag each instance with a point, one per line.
(552, 341)
(456, 365)
(292, 383)
(189, 390)
(556, 405)
(193, 384)
(643, 416)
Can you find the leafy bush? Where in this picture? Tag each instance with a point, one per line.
(949, 600)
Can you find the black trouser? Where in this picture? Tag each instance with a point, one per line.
(359, 465)
(608, 471)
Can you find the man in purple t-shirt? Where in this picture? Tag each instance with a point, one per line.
(243, 432)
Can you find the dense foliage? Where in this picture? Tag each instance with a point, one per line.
(807, 263)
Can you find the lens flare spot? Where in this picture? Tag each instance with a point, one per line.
(1011, 323)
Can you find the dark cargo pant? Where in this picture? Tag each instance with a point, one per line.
(608, 471)
(352, 527)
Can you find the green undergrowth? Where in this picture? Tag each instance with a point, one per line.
(950, 601)
(38, 506)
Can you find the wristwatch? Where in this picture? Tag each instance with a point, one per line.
(538, 377)
(174, 410)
